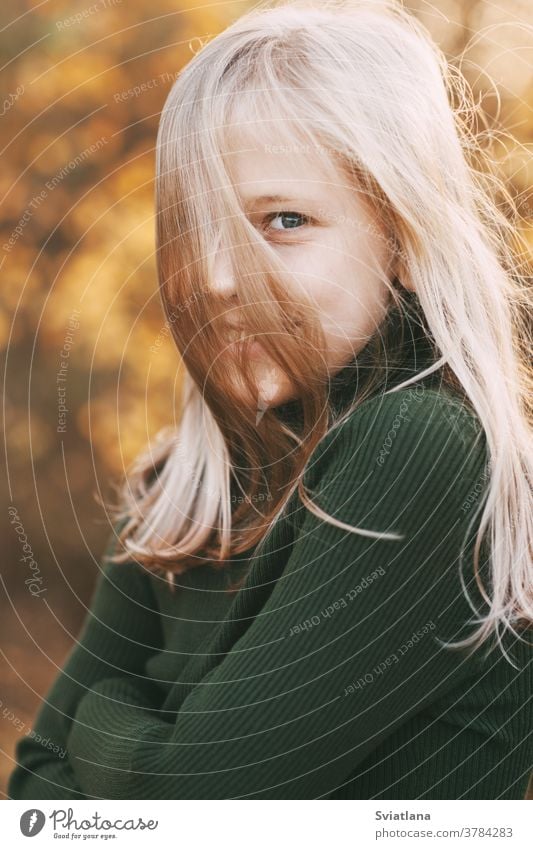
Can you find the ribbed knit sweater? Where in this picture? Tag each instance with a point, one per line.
(324, 675)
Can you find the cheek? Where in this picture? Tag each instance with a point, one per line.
(343, 285)
(321, 273)
(310, 269)
(350, 313)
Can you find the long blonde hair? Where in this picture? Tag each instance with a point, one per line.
(364, 81)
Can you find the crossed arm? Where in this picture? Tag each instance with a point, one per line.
(336, 659)
(109, 646)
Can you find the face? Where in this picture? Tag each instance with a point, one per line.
(328, 239)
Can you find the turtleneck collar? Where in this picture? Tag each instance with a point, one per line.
(400, 348)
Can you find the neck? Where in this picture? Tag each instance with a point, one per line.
(399, 349)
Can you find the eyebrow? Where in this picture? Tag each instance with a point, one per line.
(251, 202)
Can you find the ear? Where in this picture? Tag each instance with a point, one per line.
(399, 284)
(406, 282)
(396, 263)
(400, 274)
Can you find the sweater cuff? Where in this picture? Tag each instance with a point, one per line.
(108, 723)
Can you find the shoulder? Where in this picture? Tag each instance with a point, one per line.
(125, 576)
(416, 418)
(411, 417)
(408, 417)
(417, 445)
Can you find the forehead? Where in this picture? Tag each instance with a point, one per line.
(275, 170)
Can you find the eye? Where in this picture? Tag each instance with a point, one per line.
(290, 218)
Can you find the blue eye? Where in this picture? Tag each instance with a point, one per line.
(292, 218)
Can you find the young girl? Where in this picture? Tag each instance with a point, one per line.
(326, 584)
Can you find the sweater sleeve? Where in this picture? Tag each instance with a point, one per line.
(345, 649)
(119, 633)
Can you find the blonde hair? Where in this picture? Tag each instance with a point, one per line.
(365, 81)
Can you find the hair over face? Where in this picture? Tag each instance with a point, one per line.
(360, 87)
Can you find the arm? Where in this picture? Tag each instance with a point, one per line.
(119, 634)
(344, 649)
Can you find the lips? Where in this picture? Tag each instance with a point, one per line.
(236, 334)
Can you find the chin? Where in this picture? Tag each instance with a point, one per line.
(273, 387)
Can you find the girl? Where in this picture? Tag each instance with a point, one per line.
(348, 490)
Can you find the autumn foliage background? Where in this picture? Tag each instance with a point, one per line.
(83, 85)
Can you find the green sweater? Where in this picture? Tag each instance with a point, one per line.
(323, 677)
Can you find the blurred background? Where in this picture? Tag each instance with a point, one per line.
(90, 374)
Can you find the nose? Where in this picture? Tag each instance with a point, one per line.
(223, 279)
